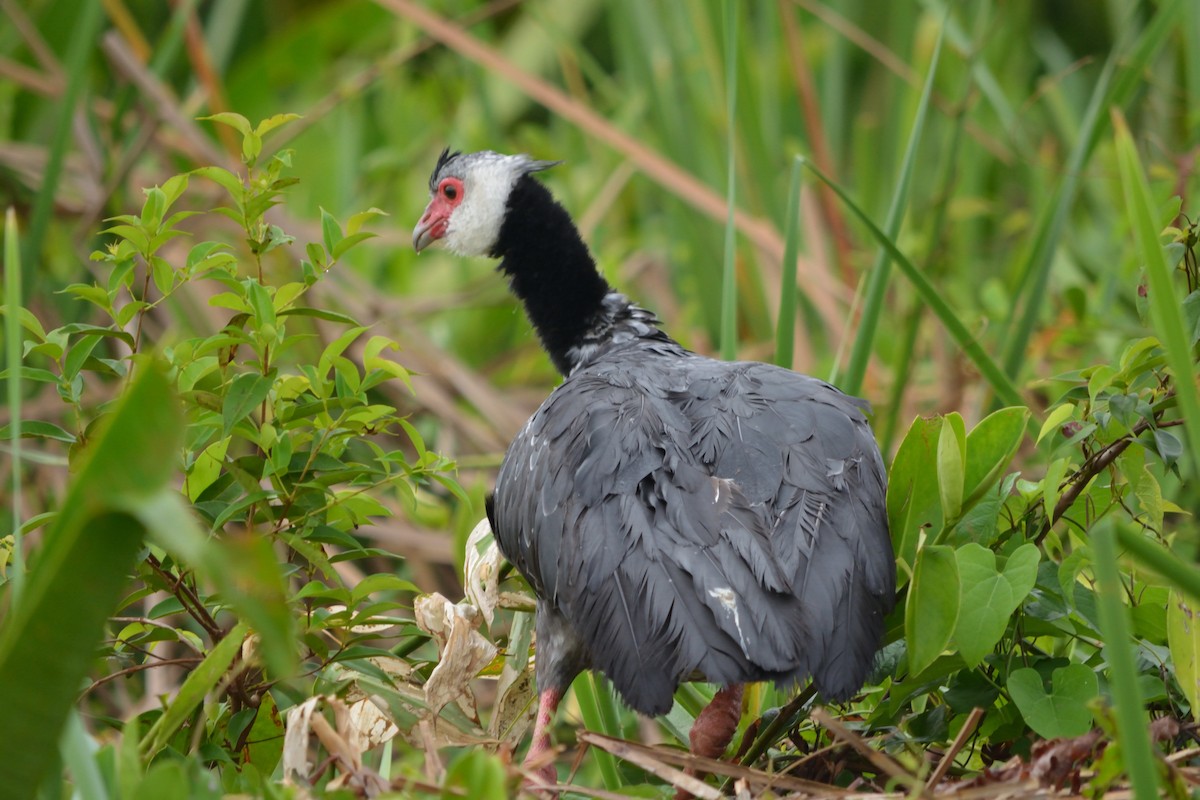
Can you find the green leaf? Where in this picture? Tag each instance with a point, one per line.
(331, 232)
(264, 745)
(233, 120)
(319, 313)
(36, 429)
(48, 640)
(78, 354)
(380, 582)
(350, 241)
(931, 613)
(989, 596)
(1051, 483)
(271, 123)
(1165, 305)
(912, 493)
(951, 464)
(477, 774)
(1063, 710)
(223, 177)
(206, 469)
(199, 682)
(1056, 418)
(356, 221)
(990, 447)
(244, 395)
(1183, 637)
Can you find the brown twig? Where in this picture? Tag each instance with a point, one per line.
(943, 766)
(166, 662)
(879, 760)
(1097, 463)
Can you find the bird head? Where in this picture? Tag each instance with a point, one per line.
(469, 198)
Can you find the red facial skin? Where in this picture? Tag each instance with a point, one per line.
(436, 219)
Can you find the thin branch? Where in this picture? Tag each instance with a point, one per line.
(166, 662)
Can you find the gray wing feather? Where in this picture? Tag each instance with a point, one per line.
(688, 517)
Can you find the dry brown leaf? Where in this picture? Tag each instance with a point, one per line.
(369, 724)
(297, 725)
(481, 570)
(463, 651)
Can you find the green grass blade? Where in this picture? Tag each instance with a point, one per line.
(1165, 305)
(79, 756)
(600, 713)
(12, 362)
(199, 682)
(1136, 750)
(729, 273)
(864, 340)
(785, 327)
(1109, 92)
(85, 26)
(1182, 575)
(47, 643)
(983, 362)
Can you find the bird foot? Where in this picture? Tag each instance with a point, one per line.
(714, 728)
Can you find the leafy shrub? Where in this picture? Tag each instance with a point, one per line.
(282, 452)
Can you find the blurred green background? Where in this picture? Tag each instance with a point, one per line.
(1013, 212)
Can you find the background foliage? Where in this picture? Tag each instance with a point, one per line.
(252, 430)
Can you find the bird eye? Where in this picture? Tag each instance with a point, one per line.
(449, 191)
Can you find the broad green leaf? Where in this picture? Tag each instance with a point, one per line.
(1051, 483)
(350, 241)
(990, 596)
(990, 447)
(912, 492)
(48, 640)
(356, 221)
(223, 177)
(331, 233)
(931, 613)
(233, 120)
(1183, 637)
(335, 349)
(1062, 711)
(1056, 418)
(380, 582)
(96, 295)
(271, 123)
(199, 682)
(244, 395)
(207, 468)
(78, 355)
(28, 321)
(477, 774)
(36, 429)
(264, 745)
(951, 464)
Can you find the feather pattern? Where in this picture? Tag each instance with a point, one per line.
(683, 517)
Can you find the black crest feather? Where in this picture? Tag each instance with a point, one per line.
(445, 158)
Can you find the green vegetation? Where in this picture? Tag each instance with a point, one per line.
(248, 432)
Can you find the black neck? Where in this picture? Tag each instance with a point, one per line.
(550, 270)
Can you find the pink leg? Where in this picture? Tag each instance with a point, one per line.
(714, 728)
(539, 760)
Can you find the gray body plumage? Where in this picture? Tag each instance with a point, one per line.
(680, 517)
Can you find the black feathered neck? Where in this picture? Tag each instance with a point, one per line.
(551, 271)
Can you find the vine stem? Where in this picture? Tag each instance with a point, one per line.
(1097, 464)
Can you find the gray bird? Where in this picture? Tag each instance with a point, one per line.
(678, 517)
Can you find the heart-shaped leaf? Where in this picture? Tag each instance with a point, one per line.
(1063, 710)
(990, 596)
(933, 606)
